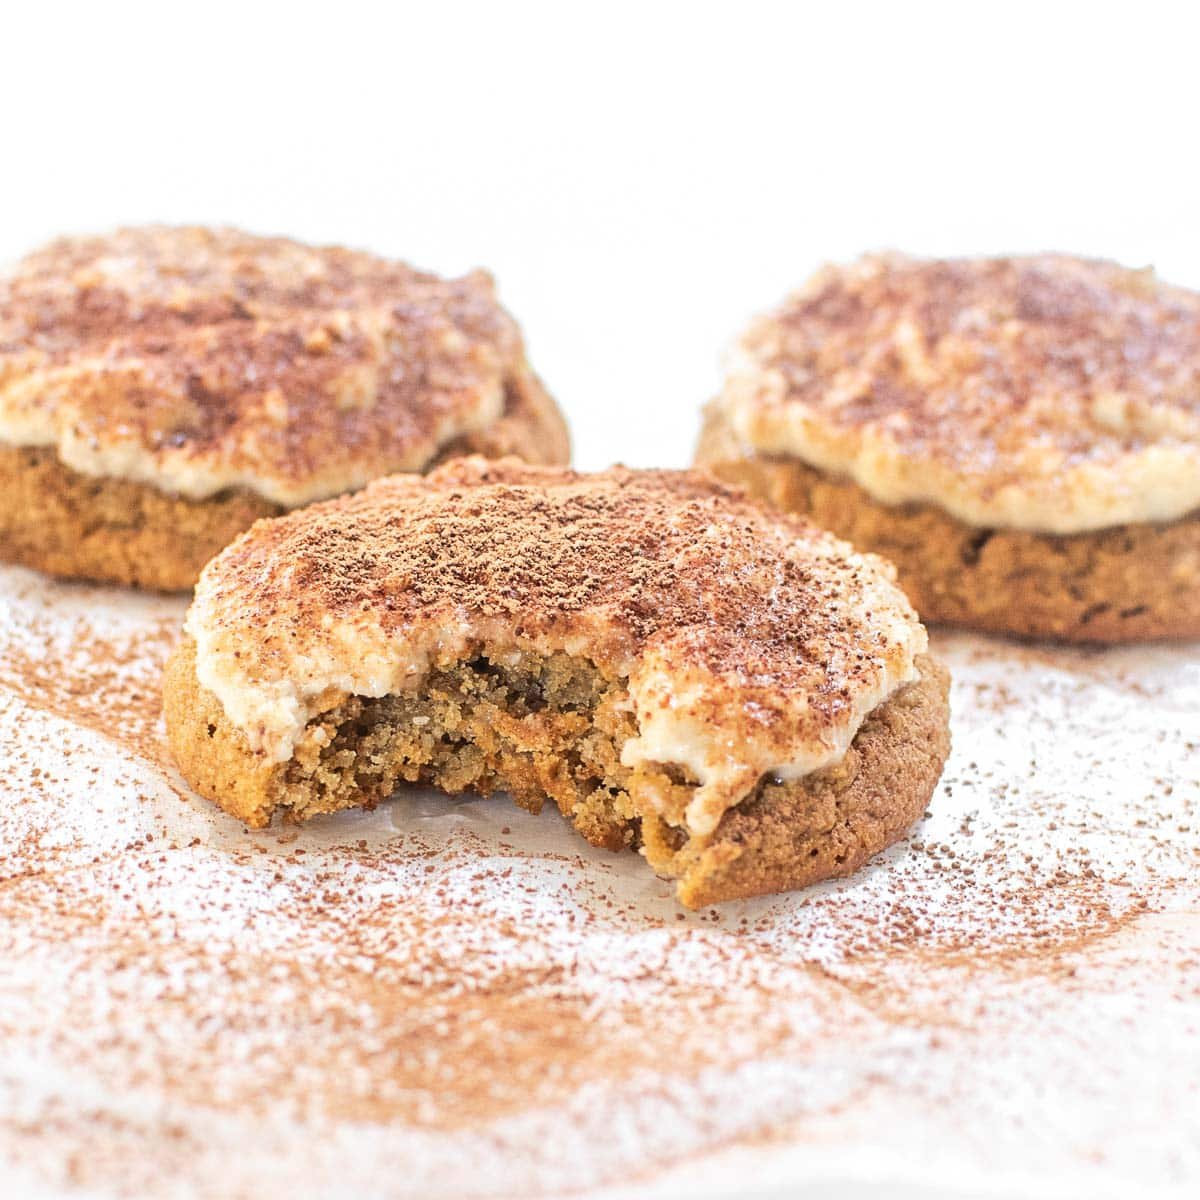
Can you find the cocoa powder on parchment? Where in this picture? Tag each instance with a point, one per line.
(456, 998)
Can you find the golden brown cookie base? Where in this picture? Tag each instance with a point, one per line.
(111, 530)
(115, 531)
(1126, 584)
(553, 728)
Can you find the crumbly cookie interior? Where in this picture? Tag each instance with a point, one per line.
(535, 726)
(549, 725)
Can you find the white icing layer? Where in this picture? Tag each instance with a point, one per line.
(1047, 394)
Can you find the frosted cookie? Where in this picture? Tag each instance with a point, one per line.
(162, 388)
(1020, 436)
(731, 691)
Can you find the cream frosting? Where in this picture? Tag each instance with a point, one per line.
(1049, 394)
(197, 361)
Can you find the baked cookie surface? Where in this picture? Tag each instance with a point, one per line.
(1020, 436)
(732, 691)
(221, 374)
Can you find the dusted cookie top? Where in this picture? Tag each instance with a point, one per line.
(196, 360)
(751, 640)
(1051, 394)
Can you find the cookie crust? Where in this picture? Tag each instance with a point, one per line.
(785, 835)
(104, 530)
(1130, 583)
(80, 526)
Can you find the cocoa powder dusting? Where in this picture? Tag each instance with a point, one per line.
(1046, 394)
(456, 998)
(223, 359)
(970, 360)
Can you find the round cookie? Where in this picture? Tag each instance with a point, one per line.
(161, 389)
(733, 692)
(1021, 437)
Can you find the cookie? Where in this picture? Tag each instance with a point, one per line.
(162, 388)
(732, 692)
(1021, 437)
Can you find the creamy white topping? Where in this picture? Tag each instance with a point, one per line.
(197, 361)
(1150, 484)
(43, 412)
(1047, 394)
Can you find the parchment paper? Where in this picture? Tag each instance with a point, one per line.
(456, 998)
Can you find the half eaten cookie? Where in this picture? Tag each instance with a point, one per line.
(162, 388)
(731, 691)
(1020, 436)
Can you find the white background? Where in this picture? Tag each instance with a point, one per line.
(640, 177)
